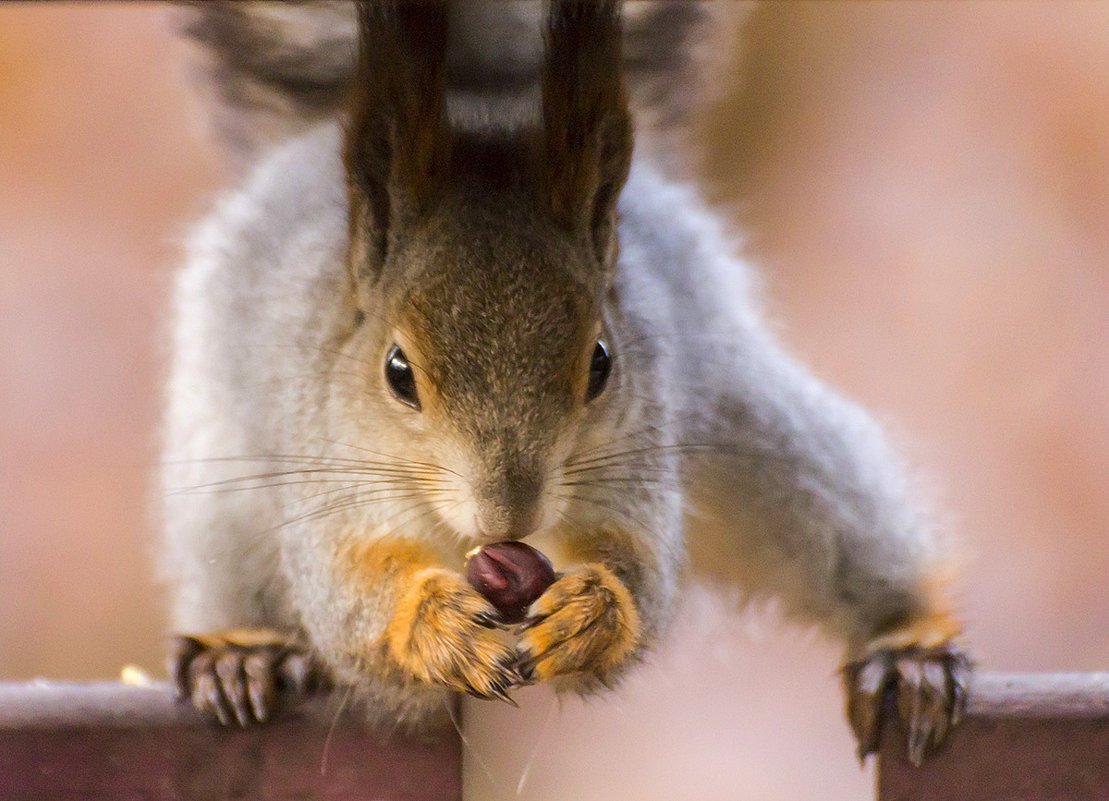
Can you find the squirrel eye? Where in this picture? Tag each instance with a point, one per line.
(401, 379)
(599, 368)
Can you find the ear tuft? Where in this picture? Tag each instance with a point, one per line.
(397, 139)
(587, 126)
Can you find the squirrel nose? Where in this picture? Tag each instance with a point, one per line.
(510, 511)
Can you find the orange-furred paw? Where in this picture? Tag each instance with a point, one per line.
(243, 676)
(586, 622)
(929, 673)
(443, 632)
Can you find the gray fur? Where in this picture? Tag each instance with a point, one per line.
(719, 449)
(276, 67)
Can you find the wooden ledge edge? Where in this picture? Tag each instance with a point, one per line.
(999, 696)
(53, 705)
(41, 704)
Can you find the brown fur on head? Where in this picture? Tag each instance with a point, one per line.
(485, 255)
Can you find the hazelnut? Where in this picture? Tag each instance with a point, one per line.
(510, 575)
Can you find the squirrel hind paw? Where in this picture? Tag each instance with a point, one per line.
(244, 676)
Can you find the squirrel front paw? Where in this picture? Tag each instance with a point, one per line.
(242, 676)
(443, 632)
(929, 674)
(586, 622)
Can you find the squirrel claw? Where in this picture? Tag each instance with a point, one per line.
(488, 621)
(929, 685)
(525, 667)
(501, 693)
(182, 652)
(241, 677)
(498, 692)
(529, 623)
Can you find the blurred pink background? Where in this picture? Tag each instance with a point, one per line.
(927, 187)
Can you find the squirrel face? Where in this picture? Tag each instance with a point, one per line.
(481, 260)
(486, 350)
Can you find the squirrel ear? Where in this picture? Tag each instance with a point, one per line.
(397, 139)
(587, 127)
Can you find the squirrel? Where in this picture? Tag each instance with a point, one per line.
(450, 305)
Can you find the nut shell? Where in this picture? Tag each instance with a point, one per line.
(510, 575)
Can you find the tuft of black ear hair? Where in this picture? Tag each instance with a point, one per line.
(587, 127)
(397, 144)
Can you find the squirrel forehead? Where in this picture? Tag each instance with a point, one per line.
(499, 333)
(497, 259)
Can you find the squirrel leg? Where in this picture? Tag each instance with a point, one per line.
(922, 663)
(805, 500)
(242, 676)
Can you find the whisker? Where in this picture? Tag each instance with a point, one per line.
(662, 448)
(321, 461)
(621, 514)
(376, 494)
(649, 428)
(388, 456)
(344, 503)
(625, 482)
(289, 478)
(569, 520)
(634, 467)
(431, 509)
(347, 505)
(332, 727)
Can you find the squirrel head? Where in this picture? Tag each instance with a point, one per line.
(483, 261)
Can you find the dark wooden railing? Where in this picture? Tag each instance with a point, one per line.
(109, 742)
(1026, 738)
(1040, 737)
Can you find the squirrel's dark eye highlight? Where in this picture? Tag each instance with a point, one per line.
(600, 365)
(401, 379)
